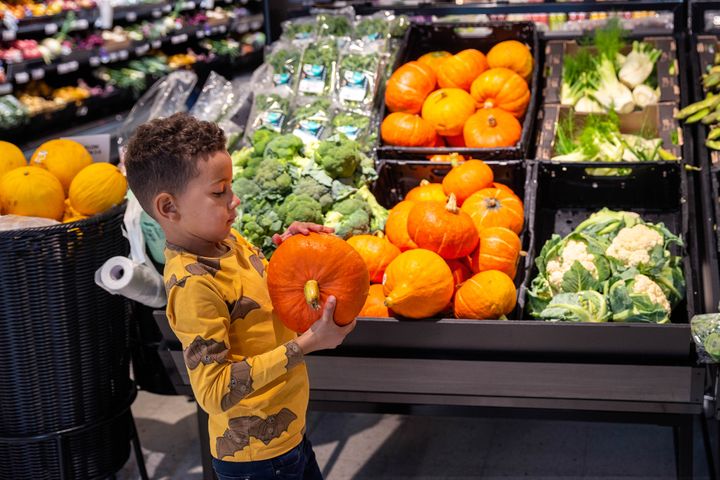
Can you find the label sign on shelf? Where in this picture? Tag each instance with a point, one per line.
(22, 77)
(50, 28)
(123, 54)
(200, 34)
(132, 16)
(142, 49)
(5, 88)
(8, 35)
(67, 67)
(243, 27)
(156, 44)
(94, 61)
(179, 38)
(37, 73)
(157, 13)
(97, 145)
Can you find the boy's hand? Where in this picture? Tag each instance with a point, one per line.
(325, 333)
(302, 228)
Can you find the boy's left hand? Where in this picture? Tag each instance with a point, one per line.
(302, 228)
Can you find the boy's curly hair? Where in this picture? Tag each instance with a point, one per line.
(162, 155)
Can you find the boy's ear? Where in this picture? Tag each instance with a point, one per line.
(166, 207)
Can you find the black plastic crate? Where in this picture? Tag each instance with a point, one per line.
(422, 39)
(567, 195)
(398, 178)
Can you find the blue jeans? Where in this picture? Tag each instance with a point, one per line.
(297, 464)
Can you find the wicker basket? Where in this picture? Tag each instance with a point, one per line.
(64, 375)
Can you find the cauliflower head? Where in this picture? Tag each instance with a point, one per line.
(574, 251)
(632, 245)
(644, 285)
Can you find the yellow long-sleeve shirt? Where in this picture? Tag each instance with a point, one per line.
(245, 368)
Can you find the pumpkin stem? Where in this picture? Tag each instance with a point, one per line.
(522, 253)
(455, 159)
(451, 205)
(380, 234)
(492, 202)
(312, 294)
(491, 121)
(489, 104)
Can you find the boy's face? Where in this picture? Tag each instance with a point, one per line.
(205, 210)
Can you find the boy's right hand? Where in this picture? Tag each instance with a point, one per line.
(325, 333)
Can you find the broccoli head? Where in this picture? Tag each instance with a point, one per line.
(378, 213)
(349, 217)
(284, 147)
(273, 178)
(261, 138)
(340, 157)
(307, 185)
(300, 208)
(245, 188)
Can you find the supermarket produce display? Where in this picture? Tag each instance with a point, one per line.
(524, 210)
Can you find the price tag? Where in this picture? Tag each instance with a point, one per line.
(81, 24)
(222, 28)
(157, 13)
(94, 61)
(243, 27)
(132, 16)
(22, 77)
(156, 44)
(97, 145)
(256, 25)
(5, 88)
(167, 8)
(50, 28)
(189, 6)
(113, 57)
(200, 34)
(37, 73)
(178, 38)
(142, 49)
(123, 54)
(67, 67)
(9, 35)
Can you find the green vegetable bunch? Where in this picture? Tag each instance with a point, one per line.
(600, 140)
(706, 334)
(324, 52)
(279, 180)
(333, 25)
(371, 28)
(357, 62)
(299, 29)
(614, 266)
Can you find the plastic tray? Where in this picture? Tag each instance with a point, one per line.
(421, 39)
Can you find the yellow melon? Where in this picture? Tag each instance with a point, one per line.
(32, 192)
(11, 157)
(72, 215)
(97, 188)
(63, 158)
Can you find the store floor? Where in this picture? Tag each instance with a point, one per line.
(384, 447)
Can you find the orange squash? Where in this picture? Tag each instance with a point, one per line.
(447, 110)
(487, 295)
(376, 251)
(418, 284)
(461, 69)
(408, 87)
(513, 55)
(434, 59)
(499, 249)
(466, 179)
(456, 141)
(442, 228)
(306, 269)
(407, 130)
(501, 88)
(454, 158)
(491, 128)
(492, 207)
(460, 270)
(396, 226)
(427, 192)
(375, 303)
(504, 187)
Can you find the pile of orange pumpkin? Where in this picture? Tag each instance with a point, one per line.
(478, 104)
(448, 247)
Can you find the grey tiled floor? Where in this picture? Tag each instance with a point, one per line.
(384, 447)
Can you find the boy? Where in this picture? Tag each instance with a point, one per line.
(246, 368)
